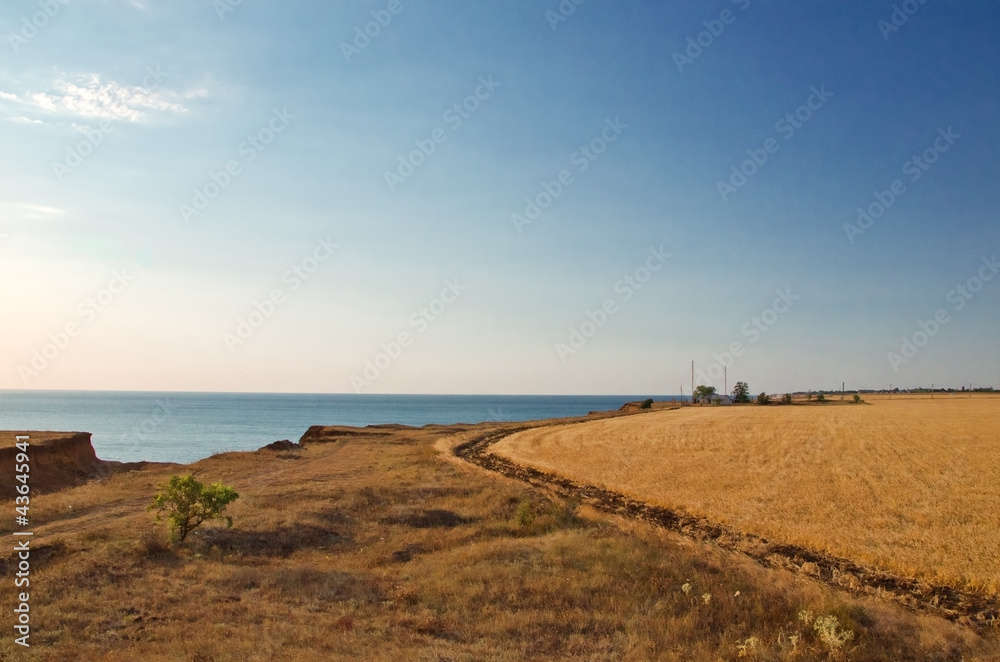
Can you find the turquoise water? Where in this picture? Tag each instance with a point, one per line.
(184, 427)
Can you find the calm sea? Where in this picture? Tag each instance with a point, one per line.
(184, 427)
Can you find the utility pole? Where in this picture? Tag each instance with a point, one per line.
(842, 390)
(725, 378)
(692, 382)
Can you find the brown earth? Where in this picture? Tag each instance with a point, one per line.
(380, 544)
(57, 460)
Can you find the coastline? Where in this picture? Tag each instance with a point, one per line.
(186, 427)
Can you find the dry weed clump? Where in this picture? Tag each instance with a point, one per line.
(544, 515)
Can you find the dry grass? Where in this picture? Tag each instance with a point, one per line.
(376, 547)
(909, 485)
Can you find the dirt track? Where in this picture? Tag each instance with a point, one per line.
(967, 608)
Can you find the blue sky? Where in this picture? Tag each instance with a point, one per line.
(309, 271)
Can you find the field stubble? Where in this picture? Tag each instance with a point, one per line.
(907, 485)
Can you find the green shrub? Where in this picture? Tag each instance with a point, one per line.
(188, 503)
(646, 404)
(763, 399)
(821, 398)
(857, 398)
(786, 399)
(525, 513)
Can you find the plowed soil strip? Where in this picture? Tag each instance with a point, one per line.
(964, 607)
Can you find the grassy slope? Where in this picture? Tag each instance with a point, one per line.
(308, 573)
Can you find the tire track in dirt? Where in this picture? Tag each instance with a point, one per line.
(970, 609)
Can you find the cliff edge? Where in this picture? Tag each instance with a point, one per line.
(57, 460)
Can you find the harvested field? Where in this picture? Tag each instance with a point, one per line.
(905, 485)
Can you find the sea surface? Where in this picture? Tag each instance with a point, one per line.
(185, 427)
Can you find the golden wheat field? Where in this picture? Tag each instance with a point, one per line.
(908, 485)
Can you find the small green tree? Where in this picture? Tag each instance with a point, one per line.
(741, 392)
(821, 398)
(786, 399)
(646, 404)
(763, 399)
(188, 503)
(857, 398)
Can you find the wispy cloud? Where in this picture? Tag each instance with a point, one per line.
(22, 120)
(87, 96)
(30, 212)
